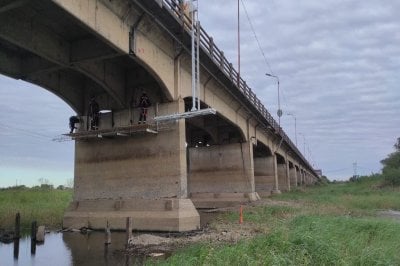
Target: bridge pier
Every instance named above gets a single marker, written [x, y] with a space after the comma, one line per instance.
[221, 175]
[264, 175]
[282, 173]
[293, 175]
[298, 176]
[142, 176]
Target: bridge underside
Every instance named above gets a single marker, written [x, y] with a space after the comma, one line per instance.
[158, 174]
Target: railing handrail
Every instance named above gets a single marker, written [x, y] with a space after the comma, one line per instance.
[217, 56]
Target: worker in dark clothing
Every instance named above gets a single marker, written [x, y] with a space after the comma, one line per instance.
[72, 121]
[94, 114]
[144, 104]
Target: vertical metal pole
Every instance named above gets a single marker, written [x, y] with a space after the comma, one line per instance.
[295, 130]
[198, 63]
[279, 106]
[193, 60]
[238, 33]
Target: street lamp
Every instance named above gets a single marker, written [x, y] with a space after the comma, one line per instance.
[304, 143]
[295, 127]
[279, 112]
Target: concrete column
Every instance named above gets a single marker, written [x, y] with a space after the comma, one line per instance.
[142, 176]
[221, 175]
[293, 176]
[276, 176]
[264, 175]
[282, 177]
[287, 174]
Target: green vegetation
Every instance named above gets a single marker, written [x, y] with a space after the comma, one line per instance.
[334, 224]
[391, 166]
[43, 204]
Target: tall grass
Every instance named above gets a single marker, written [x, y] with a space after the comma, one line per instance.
[306, 240]
[316, 226]
[46, 206]
[364, 196]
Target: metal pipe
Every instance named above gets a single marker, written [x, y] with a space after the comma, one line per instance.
[198, 64]
[193, 59]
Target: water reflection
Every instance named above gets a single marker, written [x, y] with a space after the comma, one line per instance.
[52, 252]
[90, 249]
[69, 249]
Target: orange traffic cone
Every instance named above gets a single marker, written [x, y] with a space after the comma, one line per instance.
[241, 215]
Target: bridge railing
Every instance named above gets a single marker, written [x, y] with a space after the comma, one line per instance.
[176, 9]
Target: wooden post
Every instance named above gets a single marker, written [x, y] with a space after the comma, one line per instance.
[16, 248]
[128, 231]
[107, 240]
[17, 225]
[17, 235]
[33, 237]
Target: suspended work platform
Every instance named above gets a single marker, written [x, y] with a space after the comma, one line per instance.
[185, 115]
[123, 131]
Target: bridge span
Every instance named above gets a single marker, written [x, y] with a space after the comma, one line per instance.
[159, 172]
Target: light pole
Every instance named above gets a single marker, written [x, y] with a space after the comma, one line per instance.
[304, 143]
[279, 112]
[295, 127]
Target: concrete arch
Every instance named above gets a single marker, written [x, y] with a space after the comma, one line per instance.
[222, 130]
[261, 150]
[160, 80]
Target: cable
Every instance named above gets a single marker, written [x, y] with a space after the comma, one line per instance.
[338, 170]
[261, 50]
[26, 132]
[255, 36]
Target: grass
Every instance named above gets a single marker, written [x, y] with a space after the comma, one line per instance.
[306, 241]
[334, 224]
[360, 198]
[46, 206]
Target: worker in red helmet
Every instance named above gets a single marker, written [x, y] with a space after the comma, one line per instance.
[144, 104]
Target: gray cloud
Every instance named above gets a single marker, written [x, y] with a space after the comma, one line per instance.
[338, 62]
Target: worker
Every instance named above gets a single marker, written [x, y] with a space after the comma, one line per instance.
[72, 121]
[144, 104]
[94, 114]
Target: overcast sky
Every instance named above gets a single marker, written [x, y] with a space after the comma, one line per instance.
[338, 64]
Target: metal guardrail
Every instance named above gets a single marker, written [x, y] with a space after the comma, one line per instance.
[217, 56]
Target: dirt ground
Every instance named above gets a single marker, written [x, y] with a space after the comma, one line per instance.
[162, 244]
[158, 244]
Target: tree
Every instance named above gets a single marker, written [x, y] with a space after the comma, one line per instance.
[391, 166]
[397, 145]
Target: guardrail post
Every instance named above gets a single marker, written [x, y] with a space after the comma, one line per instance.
[211, 46]
[221, 62]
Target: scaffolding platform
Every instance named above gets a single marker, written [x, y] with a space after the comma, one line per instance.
[123, 131]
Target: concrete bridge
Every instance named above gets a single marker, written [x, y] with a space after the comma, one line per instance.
[157, 173]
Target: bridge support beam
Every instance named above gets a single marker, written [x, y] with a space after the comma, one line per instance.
[264, 175]
[302, 178]
[293, 176]
[143, 177]
[221, 175]
[283, 177]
